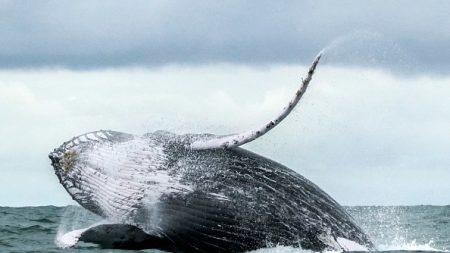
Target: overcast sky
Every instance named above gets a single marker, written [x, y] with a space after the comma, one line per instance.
[99, 34]
[374, 127]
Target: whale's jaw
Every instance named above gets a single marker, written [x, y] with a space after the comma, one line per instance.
[115, 175]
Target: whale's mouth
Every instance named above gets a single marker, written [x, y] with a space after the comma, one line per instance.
[64, 161]
[55, 158]
[64, 164]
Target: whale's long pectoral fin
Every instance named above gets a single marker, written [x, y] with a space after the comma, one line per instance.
[235, 140]
[116, 236]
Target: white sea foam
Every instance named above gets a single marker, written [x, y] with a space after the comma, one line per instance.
[407, 247]
[74, 221]
[69, 239]
[411, 246]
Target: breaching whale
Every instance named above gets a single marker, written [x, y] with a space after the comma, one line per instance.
[198, 193]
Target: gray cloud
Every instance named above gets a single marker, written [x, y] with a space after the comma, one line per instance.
[398, 35]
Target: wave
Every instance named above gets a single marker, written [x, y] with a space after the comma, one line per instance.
[35, 229]
[43, 220]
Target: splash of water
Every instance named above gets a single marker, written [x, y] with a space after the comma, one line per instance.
[369, 49]
[74, 221]
[411, 246]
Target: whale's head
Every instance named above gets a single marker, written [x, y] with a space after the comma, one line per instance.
[109, 172]
[74, 170]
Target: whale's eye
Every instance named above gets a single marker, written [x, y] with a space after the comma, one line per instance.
[68, 160]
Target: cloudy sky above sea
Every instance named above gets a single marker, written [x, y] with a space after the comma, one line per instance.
[373, 128]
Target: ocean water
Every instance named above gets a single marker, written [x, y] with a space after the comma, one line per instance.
[393, 229]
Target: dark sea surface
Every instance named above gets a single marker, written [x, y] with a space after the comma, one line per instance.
[393, 229]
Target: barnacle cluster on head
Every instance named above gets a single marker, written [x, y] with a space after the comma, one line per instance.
[68, 160]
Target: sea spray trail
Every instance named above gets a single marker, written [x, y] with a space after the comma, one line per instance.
[406, 227]
[399, 229]
[365, 48]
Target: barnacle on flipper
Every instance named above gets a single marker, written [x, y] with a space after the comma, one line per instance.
[68, 160]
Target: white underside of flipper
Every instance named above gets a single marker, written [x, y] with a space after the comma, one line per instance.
[235, 140]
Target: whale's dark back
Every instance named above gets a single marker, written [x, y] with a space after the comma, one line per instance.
[242, 201]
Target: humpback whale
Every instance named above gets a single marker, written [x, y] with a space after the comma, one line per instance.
[198, 193]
